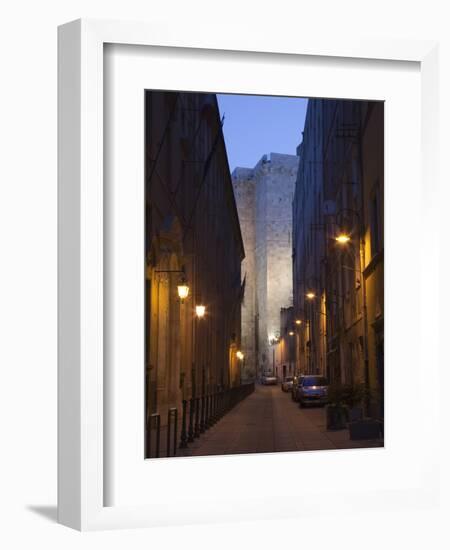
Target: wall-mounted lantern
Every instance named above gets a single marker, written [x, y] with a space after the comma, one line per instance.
[183, 289]
[200, 311]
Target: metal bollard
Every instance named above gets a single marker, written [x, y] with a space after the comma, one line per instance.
[206, 411]
[172, 413]
[148, 436]
[183, 437]
[213, 408]
[175, 432]
[197, 417]
[209, 410]
[218, 398]
[154, 421]
[202, 415]
[191, 420]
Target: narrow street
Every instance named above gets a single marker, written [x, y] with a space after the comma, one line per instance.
[261, 274]
[269, 421]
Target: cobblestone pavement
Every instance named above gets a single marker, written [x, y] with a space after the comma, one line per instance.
[268, 421]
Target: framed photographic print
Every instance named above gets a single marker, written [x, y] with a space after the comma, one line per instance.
[231, 299]
[254, 274]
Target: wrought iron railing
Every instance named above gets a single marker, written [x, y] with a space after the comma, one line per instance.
[198, 414]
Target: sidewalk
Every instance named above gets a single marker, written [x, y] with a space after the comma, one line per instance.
[269, 421]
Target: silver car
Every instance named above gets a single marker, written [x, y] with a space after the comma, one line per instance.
[313, 389]
[286, 385]
[270, 380]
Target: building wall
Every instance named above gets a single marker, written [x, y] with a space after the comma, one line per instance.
[191, 225]
[244, 184]
[339, 189]
[285, 356]
[344, 284]
[264, 200]
[310, 211]
[372, 152]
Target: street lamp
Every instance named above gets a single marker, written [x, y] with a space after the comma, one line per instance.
[273, 340]
[291, 333]
[183, 289]
[342, 238]
[310, 295]
[241, 358]
[200, 311]
[298, 322]
[195, 422]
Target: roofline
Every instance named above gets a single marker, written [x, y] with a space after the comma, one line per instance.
[230, 181]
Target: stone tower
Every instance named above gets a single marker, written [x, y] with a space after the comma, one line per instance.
[264, 200]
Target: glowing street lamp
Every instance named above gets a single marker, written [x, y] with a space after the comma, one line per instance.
[182, 286]
[273, 340]
[342, 238]
[310, 295]
[291, 333]
[298, 322]
[241, 358]
[200, 311]
[183, 290]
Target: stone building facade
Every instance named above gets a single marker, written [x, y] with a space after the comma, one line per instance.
[264, 200]
[285, 353]
[338, 286]
[192, 233]
[310, 213]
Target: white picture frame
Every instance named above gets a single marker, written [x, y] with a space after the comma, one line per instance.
[81, 480]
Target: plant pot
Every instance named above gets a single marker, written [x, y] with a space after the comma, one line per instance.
[355, 414]
[364, 429]
[336, 417]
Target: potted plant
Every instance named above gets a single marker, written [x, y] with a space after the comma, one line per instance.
[336, 410]
[353, 399]
[361, 427]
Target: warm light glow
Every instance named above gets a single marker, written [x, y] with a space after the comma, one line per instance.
[310, 295]
[291, 333]
[183, 291]
[200, 311]
[298, 322]
[342, 239]
[240, 355]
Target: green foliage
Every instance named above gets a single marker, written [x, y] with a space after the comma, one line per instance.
[349, 395]
[336, 394]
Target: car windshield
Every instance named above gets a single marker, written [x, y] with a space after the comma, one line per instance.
[314, 381]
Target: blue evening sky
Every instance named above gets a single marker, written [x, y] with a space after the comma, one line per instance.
[259, 125]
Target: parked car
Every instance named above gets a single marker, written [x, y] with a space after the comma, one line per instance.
[286, 385]
[295, 385]
[313, 389]
[270, 380]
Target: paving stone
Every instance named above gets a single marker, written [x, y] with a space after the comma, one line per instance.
[269, 421]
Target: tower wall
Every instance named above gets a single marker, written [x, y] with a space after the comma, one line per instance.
[264, 200]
